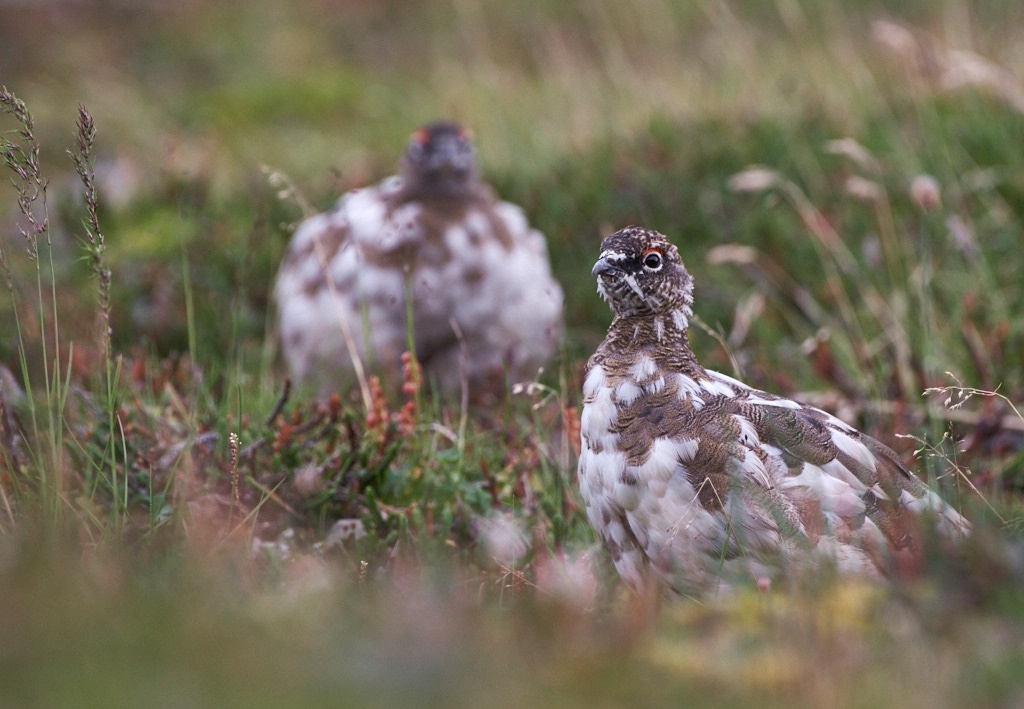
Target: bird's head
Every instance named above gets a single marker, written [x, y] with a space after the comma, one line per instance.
[640, 273]
[439, 161]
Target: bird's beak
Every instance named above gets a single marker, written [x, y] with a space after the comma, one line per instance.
[604, 266]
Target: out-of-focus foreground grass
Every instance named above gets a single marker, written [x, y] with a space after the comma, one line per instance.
[844, 179]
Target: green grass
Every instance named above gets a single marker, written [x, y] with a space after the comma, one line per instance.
[168, 531]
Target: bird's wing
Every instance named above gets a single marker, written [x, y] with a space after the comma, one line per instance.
[329, 282]
[836, 478]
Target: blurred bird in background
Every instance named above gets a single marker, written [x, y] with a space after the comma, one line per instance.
[429, 261]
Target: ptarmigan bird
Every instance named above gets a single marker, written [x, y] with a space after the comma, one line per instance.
[429, 257]
[698, 481]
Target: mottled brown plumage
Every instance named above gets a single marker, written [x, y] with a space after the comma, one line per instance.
[429, 260]
[700, 479]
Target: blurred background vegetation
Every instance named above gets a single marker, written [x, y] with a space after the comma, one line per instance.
[844, 179]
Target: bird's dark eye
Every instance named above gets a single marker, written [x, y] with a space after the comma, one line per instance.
[652, 260]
